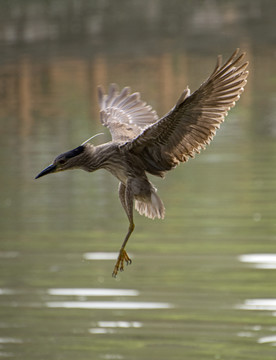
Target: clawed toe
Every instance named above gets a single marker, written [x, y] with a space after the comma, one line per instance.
[123, 257]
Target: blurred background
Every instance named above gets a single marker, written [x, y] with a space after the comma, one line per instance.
[202, 282]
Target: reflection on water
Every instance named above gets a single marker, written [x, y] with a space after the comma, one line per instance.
[259, 304]
[101, 304]
[198, 274]
[120, 324]
[93, 292]
[84, 304]
[254, 333]
[100, 256]
[107, 327]
[268, 339]
[260, 261]
[101, 331]
[123, 305]
[9, 292]
[10, 340]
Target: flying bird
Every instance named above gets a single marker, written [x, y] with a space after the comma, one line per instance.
[144, 143]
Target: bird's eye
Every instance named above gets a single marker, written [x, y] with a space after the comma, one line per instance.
[62, 162]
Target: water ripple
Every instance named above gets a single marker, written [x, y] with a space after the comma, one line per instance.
[114, 305]
[258, 304]
[260, 261]
[93, 292]
[100, 256]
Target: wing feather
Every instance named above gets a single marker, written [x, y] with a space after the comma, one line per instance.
[193, 122]
[125, 114]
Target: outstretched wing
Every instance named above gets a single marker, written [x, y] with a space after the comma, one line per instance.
[193, 122]
[125, 115]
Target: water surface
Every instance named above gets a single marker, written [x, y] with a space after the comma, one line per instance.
[202, 282]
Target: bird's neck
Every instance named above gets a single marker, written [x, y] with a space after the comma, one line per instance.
[106, 156]
[98, 157]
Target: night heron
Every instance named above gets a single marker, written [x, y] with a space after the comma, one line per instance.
[142, 143]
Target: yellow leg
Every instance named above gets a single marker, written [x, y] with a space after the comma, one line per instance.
[126, 198]
[123, 256]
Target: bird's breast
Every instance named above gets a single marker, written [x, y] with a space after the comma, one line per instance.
[119, 172]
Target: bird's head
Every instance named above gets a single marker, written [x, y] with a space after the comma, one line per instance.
[78, 158]
[73, 159]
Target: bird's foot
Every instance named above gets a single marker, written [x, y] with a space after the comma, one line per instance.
[123, 257]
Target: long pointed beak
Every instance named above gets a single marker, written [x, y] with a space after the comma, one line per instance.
[50, 169]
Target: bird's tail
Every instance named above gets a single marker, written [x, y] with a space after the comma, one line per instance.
[152, 207]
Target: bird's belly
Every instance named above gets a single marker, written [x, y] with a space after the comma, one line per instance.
[119, 173]
[122, 176]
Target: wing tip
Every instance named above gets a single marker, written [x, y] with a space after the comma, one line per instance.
[186, 93]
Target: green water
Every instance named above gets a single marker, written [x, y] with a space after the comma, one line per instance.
[190, 293]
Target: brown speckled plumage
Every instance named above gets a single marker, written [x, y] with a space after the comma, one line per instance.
[142, 143]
